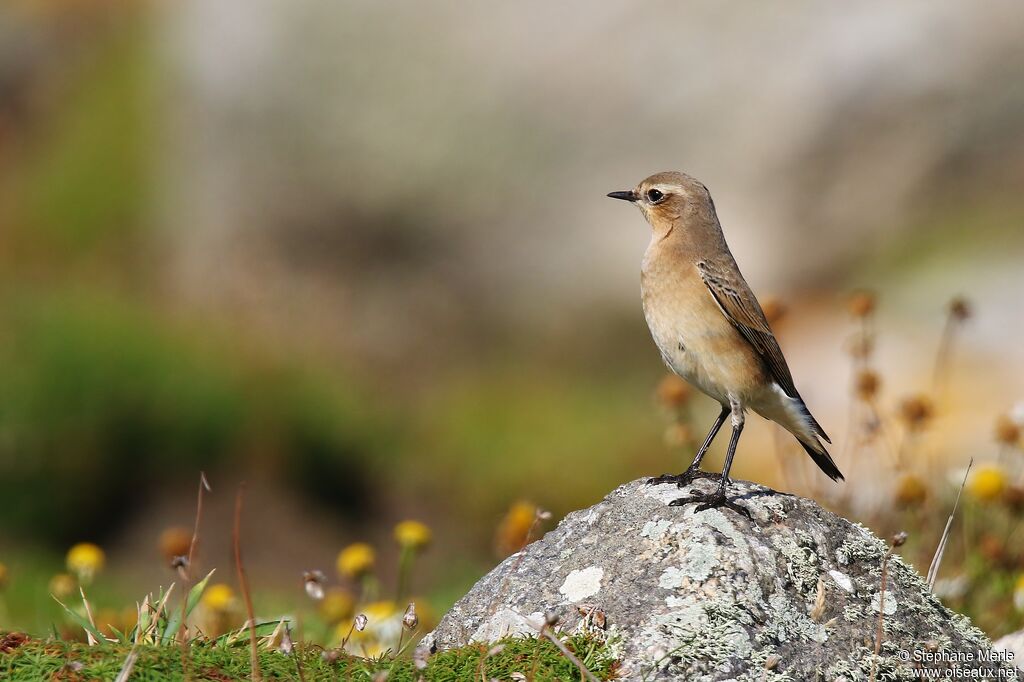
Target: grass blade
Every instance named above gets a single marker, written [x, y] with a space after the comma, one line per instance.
[82, 621]
[175, 619]
[933, 569]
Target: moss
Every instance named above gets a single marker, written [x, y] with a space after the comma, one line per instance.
[39, 660]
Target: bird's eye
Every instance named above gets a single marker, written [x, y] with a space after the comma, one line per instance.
[654, 195]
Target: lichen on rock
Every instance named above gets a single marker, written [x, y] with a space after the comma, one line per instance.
[792, 594]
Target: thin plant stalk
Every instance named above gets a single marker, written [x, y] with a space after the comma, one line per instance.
[204, 485]
[880, 632]
[933, 568]
[243, 582]
[405, 561]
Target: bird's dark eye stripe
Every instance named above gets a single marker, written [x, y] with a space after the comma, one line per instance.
[654, 196]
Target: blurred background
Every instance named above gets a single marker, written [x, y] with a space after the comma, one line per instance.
[358, 255]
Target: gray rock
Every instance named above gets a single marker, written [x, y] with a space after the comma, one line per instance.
[793, 594]
[1013, 645]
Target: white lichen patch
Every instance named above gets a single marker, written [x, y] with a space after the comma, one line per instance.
[582, 583]
[842, 580]
[507, 623]
[671, 578]
[890, 603]
[663, 492]
[656, 529]
[699, 562]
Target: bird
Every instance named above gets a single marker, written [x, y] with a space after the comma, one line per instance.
[711, 330]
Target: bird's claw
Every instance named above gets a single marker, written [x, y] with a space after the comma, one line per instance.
[684, 479]
[711, 501]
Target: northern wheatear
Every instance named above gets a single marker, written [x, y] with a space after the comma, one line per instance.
[709, 327]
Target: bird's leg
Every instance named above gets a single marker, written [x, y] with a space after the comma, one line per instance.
[718, 498]
[693, 471]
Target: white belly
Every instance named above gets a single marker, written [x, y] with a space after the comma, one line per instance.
[687, 350]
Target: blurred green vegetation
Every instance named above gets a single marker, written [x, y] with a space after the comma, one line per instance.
[102, 402]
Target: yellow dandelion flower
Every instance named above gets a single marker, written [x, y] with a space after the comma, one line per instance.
[62, 585]
[987, 482]
[412, 534]
[218, 597]
[85, 560]
[337, 605]
[514, 530]
[356, 560]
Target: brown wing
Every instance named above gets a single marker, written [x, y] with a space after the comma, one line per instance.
[741, 308]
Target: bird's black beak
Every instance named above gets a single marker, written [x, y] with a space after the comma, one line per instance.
[628, 195]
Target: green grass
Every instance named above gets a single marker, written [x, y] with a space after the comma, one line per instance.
[539, 660]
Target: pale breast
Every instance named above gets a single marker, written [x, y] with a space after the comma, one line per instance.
[694, 337]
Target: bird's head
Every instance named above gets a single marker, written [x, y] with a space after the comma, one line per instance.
[669, 197]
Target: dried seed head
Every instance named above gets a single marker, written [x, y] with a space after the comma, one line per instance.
[774, 309]
[360, 622]
[911, 491]
[866, 384]
[287, 646]
[550, 618]
[330, 655]
[916, 411]
[673, 392]
[677, 435]
[992, 548]
[772, 662]
[1014, 498]
[1007, 431]
[959, 309]
[175, 541]
[314, 581]
[861, 304]
[495, 650]
[410, 620]
[543, 514]
[899, 539]
[860, 346]
[180, 565]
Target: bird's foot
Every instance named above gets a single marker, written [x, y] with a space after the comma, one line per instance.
[682, 480]
[711, 501]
